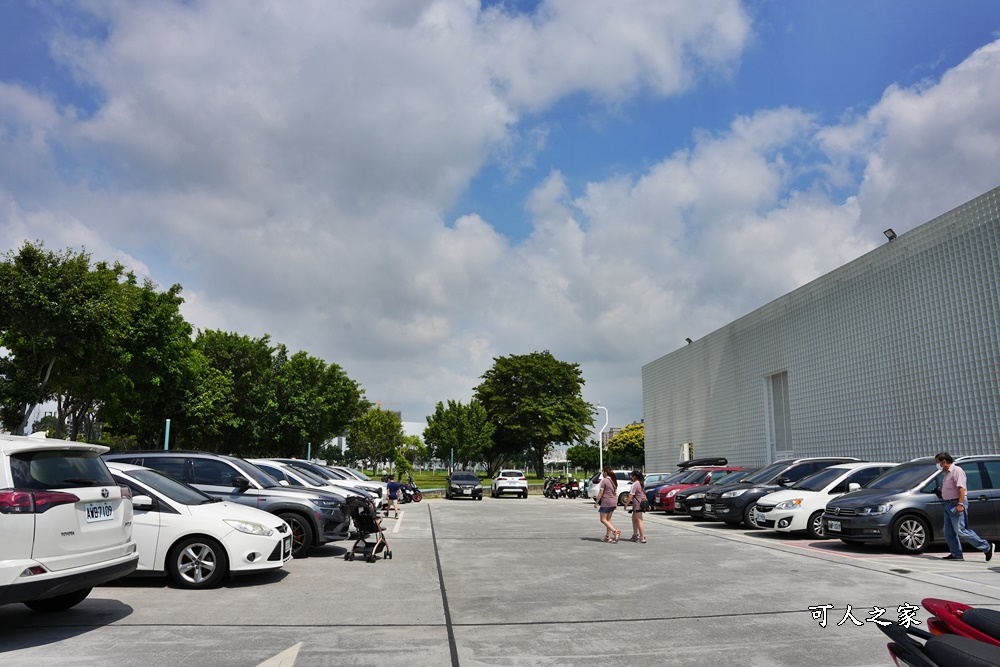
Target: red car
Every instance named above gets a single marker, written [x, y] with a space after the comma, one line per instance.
[664, 498]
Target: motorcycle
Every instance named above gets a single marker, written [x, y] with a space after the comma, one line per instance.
[573, 488]
[409, 493]
[550, 488]
[957, 635]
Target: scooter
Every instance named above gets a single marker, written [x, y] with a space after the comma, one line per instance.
[573, 488]
[957, 635]
[409, 493]
[549, 488]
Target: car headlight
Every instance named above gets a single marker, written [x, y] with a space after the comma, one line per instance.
[734, 493]
[329, 503]
[874, 510]
[249, 527]
[696, 496]
[788, 504]
[672, 493]
[479, 487]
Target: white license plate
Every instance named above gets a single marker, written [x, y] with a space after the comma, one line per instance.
[833, 526]
[467, 492]
[288, 544]
[99, 512]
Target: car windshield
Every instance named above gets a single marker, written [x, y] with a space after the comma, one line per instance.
[695, 477]
[464, 477]
[819, 480]
[177, 491]
[58, 469]
[765, 474]
[309, 476]
[254, 473]
[360, 475]
[903, 477]
[330, 473]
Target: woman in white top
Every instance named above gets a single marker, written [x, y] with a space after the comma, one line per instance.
[636, 495]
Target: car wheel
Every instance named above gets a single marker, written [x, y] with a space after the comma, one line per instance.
[750, 516]
[621, 498]
[302, 534]
[59, 602]
[197, 562]
[524, 495]
[815, 526]
[910, 535]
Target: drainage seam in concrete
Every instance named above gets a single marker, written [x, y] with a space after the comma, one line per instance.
[444, 595]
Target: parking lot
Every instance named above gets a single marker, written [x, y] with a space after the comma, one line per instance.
[511, 581]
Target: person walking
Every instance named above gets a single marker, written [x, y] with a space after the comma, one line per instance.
[607, 501]
[392, 492]
[636, 496]
[956, 511]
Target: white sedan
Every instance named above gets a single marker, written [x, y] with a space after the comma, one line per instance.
[800, 507]
[196, 539]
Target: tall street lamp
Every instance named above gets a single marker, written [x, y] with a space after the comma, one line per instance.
[600, 439]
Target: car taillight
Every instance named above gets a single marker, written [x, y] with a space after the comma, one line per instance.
[126, 491]
[501, 479]
[33, 502]
[522, 479]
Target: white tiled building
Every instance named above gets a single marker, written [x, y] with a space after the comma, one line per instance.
[892, 356]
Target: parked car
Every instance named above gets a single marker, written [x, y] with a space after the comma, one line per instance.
[315, 517]
[378, 489]
[738, 504]
[300, 477]
[357, 474]
[194, 538]
[664, 498]
[652, 488]
[509, 481]
[65, 523]
[902, 507]
[800, 507]
[624, 485]
[691, 501]
[462, 484]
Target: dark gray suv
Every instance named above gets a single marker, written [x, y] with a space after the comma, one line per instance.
[315, 517]
[903, 508]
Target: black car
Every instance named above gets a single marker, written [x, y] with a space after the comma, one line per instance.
[691, 501]
[315, 517]
[737, 504]
[463, 484]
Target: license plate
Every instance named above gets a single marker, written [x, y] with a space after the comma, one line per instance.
[833, 526]
[467, 492]
[99, 512]
[288, 544]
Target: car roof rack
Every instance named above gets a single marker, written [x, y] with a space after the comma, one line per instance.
[718, 461]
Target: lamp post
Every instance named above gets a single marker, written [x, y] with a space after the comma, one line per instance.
[600, 440]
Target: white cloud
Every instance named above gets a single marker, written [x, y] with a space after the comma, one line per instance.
[291, 169]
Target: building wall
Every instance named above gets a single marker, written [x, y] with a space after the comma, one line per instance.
[892, 356]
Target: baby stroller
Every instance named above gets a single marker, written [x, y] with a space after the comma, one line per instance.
[365, 518]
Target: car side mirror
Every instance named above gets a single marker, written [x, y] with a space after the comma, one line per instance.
[282, 482]
[241, 483]
[853, 486]
[144, 503]
[783, 481]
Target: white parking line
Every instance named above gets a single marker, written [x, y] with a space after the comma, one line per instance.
[395, 528]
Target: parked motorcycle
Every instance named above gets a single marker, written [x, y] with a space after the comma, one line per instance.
[550, 488]
[957, 635]
[573, 488]
[409, 493]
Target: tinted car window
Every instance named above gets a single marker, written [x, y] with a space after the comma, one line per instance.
[251, 471]
[819, 480]
[903, 477]
[168, 465]
[623, 477]
[993, 471]
[974, 478]
[171, 488]
[696, 477]
[215, 473]
[766, 474]
[799, 471]
[58, 470]
[864, 476]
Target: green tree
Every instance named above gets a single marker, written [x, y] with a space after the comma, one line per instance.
[462, 429]
[535, 402]
[414, 450]
[376, 436]
[627, 447]
[65, 326]
[586, 456]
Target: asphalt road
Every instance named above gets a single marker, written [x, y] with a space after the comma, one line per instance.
[510, 581]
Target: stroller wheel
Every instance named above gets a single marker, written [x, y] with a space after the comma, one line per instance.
[388, 554]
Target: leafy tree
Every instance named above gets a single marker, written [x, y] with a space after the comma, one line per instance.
[627, 447]
[375, 436]
[535, 401]
[414, 449]
[48, 423]
[586, 456]
[462, 429]
[65, 326]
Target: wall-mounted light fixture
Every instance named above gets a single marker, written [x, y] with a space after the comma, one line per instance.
[688, 340]
[889, 234]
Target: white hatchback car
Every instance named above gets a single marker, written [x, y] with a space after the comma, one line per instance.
[800, 507]
[509, 481]
[65, 523]
[196, 539]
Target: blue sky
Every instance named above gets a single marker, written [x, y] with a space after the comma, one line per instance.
[410, 188]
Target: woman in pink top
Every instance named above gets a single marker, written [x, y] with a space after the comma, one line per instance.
[607, 501]
[636, 495]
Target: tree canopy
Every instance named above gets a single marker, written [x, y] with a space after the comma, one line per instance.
[627, 447]
[462, 429]
[534, 401]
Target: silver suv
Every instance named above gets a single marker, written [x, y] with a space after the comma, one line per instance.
[315, 517]
[66, 524]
